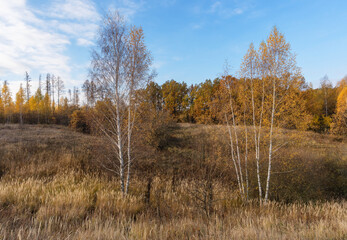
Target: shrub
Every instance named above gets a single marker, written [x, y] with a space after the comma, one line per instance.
[79, 121]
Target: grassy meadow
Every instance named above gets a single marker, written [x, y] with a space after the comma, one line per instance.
[52, 186]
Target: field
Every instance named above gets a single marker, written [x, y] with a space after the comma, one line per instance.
[52, 187]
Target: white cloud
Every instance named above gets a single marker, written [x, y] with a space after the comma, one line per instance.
[73, 10]
[223, 10]
[24, 45]
[77, 18]
[128, 8]
[157, 64]
[167, 3]
[238, 11]
[35, 40]
[84, 42]
[177, 59]
[215, 6]
[197, 26]
[83, 32]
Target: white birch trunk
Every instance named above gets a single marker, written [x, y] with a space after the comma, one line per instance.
[233, 155]
[129, 145]
[120, 148]
[129, 156]
[256, 138]
[237, 147]
[258, 144]
[270, 145]
[246, 155]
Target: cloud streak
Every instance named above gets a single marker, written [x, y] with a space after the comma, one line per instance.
[128, 8]
[221, 9]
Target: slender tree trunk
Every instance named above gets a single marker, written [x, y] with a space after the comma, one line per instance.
[256, 140]
[270, 145]
[232, 155]
[129, 145]
[239, 160]
[258, 143]
[58, 98]
[120, 145]
[129, 163]
[237, 146]
[246, 153]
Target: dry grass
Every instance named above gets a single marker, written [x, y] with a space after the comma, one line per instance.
[49, 190]
[76, 207]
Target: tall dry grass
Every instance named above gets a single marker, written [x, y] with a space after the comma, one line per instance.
[72, 206]
[50, 189]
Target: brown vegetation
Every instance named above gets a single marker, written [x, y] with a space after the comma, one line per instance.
[52, 188]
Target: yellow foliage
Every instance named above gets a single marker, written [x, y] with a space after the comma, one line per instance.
[340, 119]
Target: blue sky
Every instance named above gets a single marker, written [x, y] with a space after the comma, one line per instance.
[189, 40]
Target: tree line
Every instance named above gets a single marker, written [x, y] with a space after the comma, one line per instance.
[203, 103]
[47, 105]
[322, 109]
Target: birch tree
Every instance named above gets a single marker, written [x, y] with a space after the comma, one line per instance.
[120, 64]
[229, 82]
[249, 71]
[280, 73]
[271, 79]
[138, 62]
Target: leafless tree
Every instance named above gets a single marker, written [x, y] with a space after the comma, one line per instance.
[60, 88]
[325, 85]
[89, 89]
[233, 135]
[70, 96]
[75, 97]
[20, 100]
[40, 83]
[27, 86]
[53, 86]
[48, 84]
[120, 64]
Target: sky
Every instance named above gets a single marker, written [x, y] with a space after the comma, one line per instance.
[190, 41]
